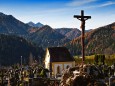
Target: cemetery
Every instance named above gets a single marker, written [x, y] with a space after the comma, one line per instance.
[60, 69]
[80, 75]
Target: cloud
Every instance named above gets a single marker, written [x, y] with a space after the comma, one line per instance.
[79, 2]
[107, 4]
[83, 3]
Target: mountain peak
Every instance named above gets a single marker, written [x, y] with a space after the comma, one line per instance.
[31, 24]
[35, 25]
[46, 27]
[11, 25]
[38, 24]
[2, 14]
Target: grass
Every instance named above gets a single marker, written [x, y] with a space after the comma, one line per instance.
[109, 59]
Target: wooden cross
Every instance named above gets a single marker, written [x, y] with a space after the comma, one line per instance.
[82, 18]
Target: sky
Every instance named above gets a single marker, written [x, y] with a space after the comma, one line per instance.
[59, 13]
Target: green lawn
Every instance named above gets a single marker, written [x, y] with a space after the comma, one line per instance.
[109, 59]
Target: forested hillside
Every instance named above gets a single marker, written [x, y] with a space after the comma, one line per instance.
[100, 41]
[12, 48]
[48, 37]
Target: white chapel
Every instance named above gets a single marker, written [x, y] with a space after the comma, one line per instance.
[58, 59]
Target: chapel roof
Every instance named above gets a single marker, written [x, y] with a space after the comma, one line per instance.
[60, 54]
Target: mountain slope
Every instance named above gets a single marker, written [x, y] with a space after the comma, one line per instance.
[73, 34]
[63, 31]
[100, 41]
[10, 25]
[12, 48]
[70, 33]
[46, 36]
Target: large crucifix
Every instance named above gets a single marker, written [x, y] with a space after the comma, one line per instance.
[82, 18]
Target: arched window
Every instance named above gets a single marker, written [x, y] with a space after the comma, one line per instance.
[58, 69]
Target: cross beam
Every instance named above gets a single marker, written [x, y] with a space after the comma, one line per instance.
[82, 18]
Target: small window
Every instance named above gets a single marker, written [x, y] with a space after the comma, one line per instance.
[58, 69]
